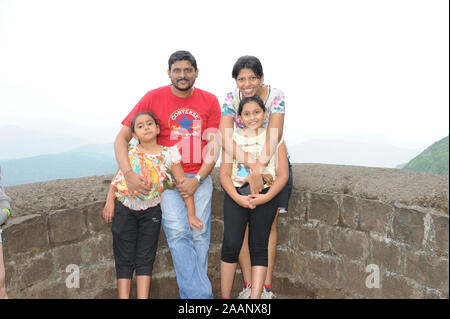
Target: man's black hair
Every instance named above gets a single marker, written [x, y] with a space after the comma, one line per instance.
[182, 56]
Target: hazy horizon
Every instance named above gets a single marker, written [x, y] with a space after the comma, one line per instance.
[372, 72]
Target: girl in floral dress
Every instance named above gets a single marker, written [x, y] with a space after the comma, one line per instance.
[136, 221]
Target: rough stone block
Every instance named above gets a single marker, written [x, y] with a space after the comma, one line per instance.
[324, 231]
[36, 270]
[95, 221]
[283, 237]
[375, 216]
[46, 291]
[93, 277]
[441, 234]
[325, 268]
[303, 237]
[216, 231]
[408, 226]
[323, 208]
[434, 294]
[217, 204]
[68, 254]
[386, 255]
[297, 205]
[398, 287]
[163, 265]
[352, 278]
[163, 288]
[25, 234]
[429, 270]
[289, 263]
[162, 241]
[96, 250]
[109, 293]
[350, 211]
[351, 243]
[67, 225]
[330, 293]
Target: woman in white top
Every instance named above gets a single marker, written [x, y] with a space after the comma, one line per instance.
[249, 77]
[253, 211]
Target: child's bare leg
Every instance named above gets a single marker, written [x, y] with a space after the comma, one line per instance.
[123, 288]
[244, 260]
[272, 249]
[143, 286]
[227, 272]
[258, 276]
[3, 294]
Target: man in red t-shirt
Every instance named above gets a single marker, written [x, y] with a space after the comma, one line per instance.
[189, 118]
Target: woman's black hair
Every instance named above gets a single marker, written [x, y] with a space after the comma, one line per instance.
[254, 98]
[133, 121]
[247, 62]
[182, 56]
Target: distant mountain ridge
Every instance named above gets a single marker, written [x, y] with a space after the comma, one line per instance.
[56, 166]
[433, 159]
[99, 159]
[17, 142]
[350, 153]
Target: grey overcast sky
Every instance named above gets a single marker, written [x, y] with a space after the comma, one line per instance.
[349, 68]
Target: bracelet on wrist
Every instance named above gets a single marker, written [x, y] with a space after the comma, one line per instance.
[125, 173]
[7, 211]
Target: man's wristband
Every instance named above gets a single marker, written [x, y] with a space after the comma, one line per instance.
[7, 212]
[199, 179]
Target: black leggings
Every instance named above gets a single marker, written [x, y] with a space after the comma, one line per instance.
[260, 222]
[135, 239]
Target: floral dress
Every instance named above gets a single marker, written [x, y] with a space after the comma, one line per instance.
[156, 168]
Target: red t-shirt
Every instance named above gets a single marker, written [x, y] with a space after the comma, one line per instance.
[182, 121]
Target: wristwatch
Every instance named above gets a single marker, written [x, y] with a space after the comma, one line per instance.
[199, 178]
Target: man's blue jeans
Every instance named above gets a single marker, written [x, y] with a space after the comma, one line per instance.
[189, 248]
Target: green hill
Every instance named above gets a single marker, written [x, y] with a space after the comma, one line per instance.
[432, 160]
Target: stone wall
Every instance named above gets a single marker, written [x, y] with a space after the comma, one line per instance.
[341, 220]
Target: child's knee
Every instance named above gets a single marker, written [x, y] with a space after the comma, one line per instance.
[258, 254]
[230, 250]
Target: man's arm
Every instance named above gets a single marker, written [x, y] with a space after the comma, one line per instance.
[187, 186]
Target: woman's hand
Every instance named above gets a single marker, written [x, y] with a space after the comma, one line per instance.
[244, 201]
[136, 184]
[258, 199]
